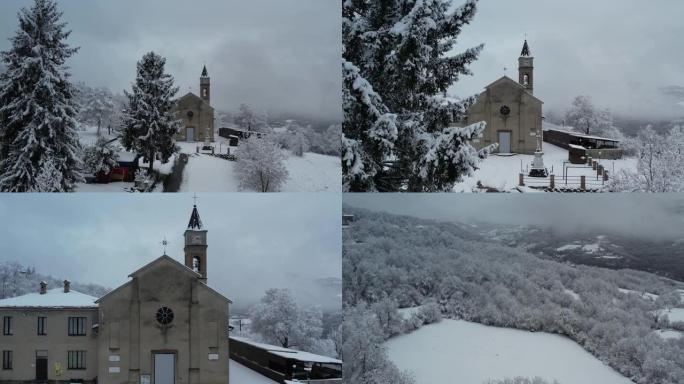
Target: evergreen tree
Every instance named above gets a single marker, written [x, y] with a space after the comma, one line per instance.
[396, 70]
[149, 125]
[38, 138]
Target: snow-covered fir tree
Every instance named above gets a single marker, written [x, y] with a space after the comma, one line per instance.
[102, 156]
[260, 165]
[149, 124]
[39, 147]
[397, 67]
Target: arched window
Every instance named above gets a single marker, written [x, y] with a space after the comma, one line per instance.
[204, 92]
[526, 79]
[196, 264]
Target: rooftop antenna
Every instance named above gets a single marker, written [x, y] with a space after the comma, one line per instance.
[194, 198]
[505, 69]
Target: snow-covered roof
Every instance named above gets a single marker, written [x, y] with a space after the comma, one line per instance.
[576, 146]
[126, 156]
[578, 134]
[53, 298]
[289, 353]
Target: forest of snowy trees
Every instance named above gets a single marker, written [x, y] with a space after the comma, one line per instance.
[278, 319]
[17, 280]
[391, 262]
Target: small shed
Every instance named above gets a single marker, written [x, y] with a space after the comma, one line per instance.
[577, 154]
[127, 165]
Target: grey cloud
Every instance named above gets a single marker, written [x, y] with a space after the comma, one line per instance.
[282, 56]
[620, 52]
[256, 242]
[636, 215]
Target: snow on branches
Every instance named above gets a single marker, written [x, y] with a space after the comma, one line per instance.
[102, 156]
[39, 147]
[260, 165]
[399, 129]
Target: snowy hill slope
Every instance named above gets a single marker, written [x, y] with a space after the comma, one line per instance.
[660, 256]
[474, 278]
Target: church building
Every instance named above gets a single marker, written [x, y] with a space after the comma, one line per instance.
[164, 326]
[512, 113]
[196, 113]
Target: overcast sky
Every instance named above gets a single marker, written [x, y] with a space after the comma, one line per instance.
[658, 216]
[255, 241]
[618, 51]
[279, 55]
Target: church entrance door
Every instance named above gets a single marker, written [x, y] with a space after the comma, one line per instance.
[504, 142]
[164, 368]
[190, 134]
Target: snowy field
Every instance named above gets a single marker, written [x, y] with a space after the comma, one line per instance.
[310, 173]
[455, 351]
[238, 373]
[501, 171]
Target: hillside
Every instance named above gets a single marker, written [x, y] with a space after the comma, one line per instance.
[392, 262]
[17, 280]
[664, 257]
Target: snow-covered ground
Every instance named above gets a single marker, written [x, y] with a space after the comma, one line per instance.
[501, 171]
[310, 173]
[675, 314]
[455, 351]
[645, 295]
[238, 373]
[669, 334]
[406, 313]
[205, 173]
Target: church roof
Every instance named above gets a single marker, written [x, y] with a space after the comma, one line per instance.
[195, 221]
[170, 261]
[192, 95]
[204, 72]
[507, 79]
[53, 298]
[525, 50]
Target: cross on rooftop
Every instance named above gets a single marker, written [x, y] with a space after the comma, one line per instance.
[164, 243]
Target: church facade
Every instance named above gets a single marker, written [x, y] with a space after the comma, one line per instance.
[512, 113]
[196, 113]
[164, 326]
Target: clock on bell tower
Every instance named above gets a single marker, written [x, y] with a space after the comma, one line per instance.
[196, 245]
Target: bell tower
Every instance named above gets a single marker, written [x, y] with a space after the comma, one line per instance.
[526, 68]
[205, 86]
[196, 245]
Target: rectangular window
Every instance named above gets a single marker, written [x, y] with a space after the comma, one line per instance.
[6, 359]
[7, 325]
[77, 326]
[42, 322]
[76, 359]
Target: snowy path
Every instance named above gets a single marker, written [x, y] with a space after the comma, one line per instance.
[313, 173]
[454, 351]
[205, 173]
[501, 172]
[310, 173]
[240, 374]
